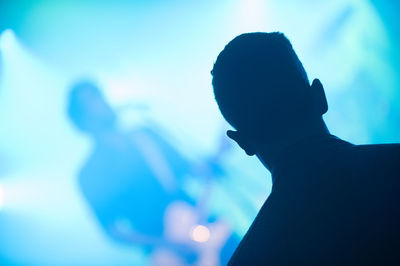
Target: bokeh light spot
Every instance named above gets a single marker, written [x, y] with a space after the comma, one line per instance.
[200, 233]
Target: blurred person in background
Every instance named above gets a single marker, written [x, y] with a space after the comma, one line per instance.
[132, 182]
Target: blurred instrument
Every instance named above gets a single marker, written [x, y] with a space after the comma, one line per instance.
[189, 238]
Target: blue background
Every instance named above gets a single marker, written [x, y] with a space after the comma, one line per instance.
[153, 60]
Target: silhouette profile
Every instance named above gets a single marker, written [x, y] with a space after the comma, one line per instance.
[332, 202]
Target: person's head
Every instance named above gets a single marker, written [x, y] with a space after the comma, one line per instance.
[263, 91]
[88, 110]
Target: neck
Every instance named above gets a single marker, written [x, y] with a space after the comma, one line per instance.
[269, 152]
[104, 136]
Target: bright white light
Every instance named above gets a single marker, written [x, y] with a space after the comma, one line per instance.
[1, 196]
[7, 39]
[200, 233]
[252, 15]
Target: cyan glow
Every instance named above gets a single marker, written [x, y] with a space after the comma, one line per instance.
[7, 40]
[1, 196]
[152, 60]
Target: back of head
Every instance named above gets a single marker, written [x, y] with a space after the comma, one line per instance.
[260, 84]
[88, 109]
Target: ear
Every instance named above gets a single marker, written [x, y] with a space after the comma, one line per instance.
[319, 96]
[242, 141]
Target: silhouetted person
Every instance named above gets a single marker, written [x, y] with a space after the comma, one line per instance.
[332, 202]
[132, 183]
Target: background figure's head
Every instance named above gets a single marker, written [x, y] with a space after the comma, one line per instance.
[88, 109]
[263, 90]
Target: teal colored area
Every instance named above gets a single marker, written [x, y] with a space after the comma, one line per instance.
[152, 61]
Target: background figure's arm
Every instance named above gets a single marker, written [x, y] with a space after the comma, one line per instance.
[123, 231]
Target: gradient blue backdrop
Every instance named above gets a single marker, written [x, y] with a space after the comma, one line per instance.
[156, 56]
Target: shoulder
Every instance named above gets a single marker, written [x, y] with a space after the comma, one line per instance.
[90, 172]
[375, 168]
[379, 153]
[389, 147]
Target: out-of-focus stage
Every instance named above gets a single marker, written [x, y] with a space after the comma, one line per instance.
[112, 149]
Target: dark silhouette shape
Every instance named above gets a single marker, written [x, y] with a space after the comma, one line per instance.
[332, 202]
[132, 183]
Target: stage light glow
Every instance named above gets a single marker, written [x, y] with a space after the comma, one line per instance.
[200, 233]
[1, 196]
[252, 15]
[7, 39]
[150, 74]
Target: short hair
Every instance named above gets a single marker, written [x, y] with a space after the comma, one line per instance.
[77, 106]
[259, 82]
